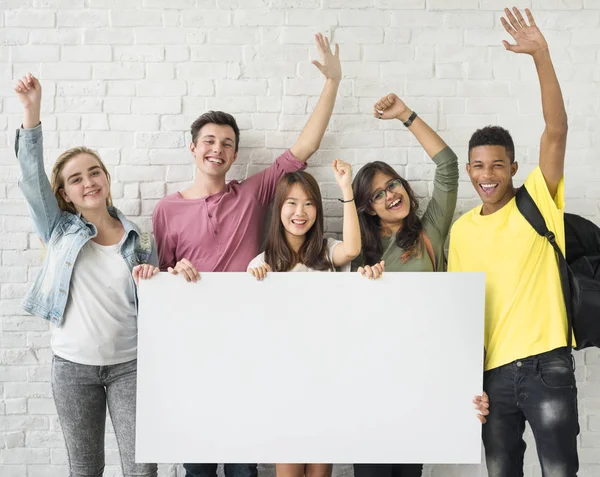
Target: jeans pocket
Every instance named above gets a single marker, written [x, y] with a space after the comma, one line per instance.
[558, 374]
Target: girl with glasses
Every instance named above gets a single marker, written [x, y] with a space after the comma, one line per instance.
[392, 233]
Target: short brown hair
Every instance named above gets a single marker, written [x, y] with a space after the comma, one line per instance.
[216, 117]
[57, 182]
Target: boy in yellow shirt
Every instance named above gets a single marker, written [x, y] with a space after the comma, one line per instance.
[528, 369]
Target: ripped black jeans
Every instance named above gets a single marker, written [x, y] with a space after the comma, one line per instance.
[539, 389]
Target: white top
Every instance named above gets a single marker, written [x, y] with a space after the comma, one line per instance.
[300, 267]
[100, 323]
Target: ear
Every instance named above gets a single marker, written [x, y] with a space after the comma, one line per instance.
[514, 167]
[234, 157]
[370, 211]
[64, 195]
[192, 147]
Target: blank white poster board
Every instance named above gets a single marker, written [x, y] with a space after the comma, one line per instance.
[310, 367]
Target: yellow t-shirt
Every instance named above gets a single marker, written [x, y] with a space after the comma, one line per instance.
[524, 307]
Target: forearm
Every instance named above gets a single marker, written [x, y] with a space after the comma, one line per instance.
[553, 105]
[312, 134]
[31, 116]
[351, 242]
[430, 141]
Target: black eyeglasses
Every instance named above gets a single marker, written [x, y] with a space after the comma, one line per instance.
[393, 186]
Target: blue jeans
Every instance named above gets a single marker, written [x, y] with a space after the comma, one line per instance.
[540, 389]
[210, 470]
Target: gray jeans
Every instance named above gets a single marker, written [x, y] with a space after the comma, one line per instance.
[81, 394]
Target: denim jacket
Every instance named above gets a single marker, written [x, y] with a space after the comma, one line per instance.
[63, 233]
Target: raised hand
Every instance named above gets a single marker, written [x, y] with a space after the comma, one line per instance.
[528, 38]
[391, 107]
[343, 173]
[144, 272]
[260, 272]
[29, 91]
[331, 66]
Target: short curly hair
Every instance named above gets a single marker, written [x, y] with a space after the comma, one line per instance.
[493, 136]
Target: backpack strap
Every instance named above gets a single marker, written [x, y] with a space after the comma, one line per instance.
[532, 214]
[429, 248]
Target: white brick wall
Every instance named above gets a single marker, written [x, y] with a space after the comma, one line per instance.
[128, 77]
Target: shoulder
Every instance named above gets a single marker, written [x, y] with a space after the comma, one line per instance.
[331, 242]
[166, 203]
[538, 189]
[465, 220]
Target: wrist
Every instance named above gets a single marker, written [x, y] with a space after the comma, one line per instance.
[541, 54]
[347, 192]
[404, 115]
[335, 81]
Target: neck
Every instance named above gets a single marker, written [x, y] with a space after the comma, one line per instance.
[103, 221]
[99, 217]
[389, 229]
[204, 185]
[488, 209]
[295, 242]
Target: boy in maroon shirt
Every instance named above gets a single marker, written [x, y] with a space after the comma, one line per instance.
[216, 226]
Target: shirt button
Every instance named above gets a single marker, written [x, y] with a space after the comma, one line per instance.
[216, 232]
[210, 216]
[519, 364]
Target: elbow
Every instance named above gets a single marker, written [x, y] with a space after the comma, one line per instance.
[352, 253]
[558, 128]
[307, 148]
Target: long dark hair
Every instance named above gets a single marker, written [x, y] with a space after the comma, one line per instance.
[408, 237]
[313, 253]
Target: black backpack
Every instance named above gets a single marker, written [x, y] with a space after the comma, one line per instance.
[579, 272]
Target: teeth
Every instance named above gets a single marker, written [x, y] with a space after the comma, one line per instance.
[395, 203]
[299, 222]
[215, 161]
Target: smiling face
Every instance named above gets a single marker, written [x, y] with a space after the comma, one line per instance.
[389, 200]
[491, 171]
[214, 150]
[298, 213]
[85, 184]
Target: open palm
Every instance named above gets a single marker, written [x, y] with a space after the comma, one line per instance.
[331, 66]
[528, 38]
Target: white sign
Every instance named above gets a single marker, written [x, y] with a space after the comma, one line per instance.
[310, 367]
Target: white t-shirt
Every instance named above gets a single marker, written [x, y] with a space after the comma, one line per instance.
[100, 323]
[300, 267]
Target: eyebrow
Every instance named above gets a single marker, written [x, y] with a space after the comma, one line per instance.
[211, 136]
[296, 198]
[79, 173]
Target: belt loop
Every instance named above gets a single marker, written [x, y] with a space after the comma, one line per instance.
[572, 361]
